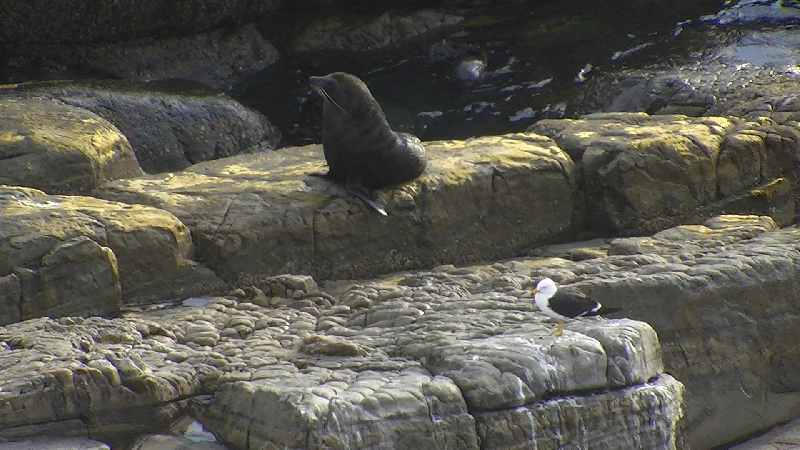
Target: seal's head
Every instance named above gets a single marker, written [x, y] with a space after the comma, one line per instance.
[347, 93]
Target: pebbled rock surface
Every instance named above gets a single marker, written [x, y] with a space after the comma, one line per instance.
[643, 173]
[60, 148]
[169, 125]
[363, 372]
[464, 208]
[71, 255]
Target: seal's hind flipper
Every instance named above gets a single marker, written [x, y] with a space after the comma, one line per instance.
[354, 187]
[368, 198]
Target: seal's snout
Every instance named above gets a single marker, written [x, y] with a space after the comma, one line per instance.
[324, 83]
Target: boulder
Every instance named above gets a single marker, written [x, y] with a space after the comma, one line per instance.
[262, 214]
[60, 148]
[77, 277]
[643, 173]
[35, 23]
[169, 125]
[71, 255]
[217, 59]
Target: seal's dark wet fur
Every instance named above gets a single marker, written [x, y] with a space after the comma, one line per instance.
[360, 147]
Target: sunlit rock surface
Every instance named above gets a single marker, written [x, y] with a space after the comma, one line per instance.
[59, 148]
[73, 255]
[262, 214]
[448, 357]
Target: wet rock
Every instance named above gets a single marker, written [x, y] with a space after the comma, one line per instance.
[60, 148]
[588, 420]
[704, 89]
[465, 207]
[643, 173]
[44, 239]
[218, 59]
[338, 32]
[169, 125]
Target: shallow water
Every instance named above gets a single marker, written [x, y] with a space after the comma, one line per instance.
[535, 59]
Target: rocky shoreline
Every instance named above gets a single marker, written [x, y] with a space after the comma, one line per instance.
[172, 279]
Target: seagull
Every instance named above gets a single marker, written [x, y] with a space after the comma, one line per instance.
[563, 304]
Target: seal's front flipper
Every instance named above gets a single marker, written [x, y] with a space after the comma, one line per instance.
[354, 187]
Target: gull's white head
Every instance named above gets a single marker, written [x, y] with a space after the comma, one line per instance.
[545, 289]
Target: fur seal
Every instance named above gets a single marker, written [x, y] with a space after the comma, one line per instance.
[359, 145]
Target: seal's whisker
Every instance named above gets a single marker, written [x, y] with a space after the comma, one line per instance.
[329, 98]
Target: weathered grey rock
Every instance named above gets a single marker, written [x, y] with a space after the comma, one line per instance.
[583, 422]
[262, 215]
[169, 125]
[60, 148]
[645, 173]
[218, 59]
[70, 255]
[782, 437]
[338, 32]
[465, 343]
[10, 297]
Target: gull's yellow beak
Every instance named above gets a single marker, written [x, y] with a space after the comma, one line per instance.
[534, 291]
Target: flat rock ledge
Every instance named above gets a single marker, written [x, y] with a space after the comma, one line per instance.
[260, 214]
[480, 199]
